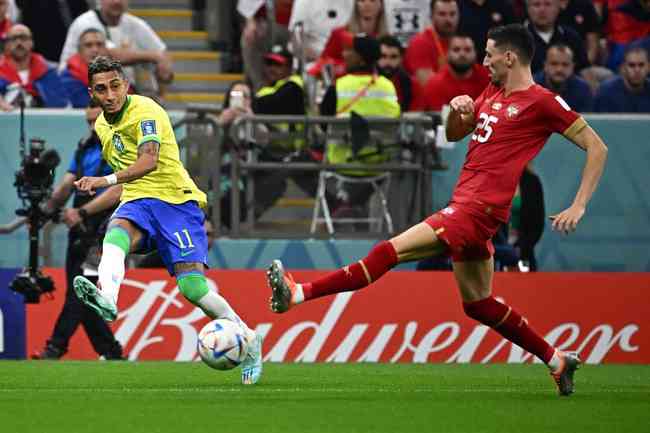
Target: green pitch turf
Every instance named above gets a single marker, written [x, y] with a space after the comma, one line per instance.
[131, 397]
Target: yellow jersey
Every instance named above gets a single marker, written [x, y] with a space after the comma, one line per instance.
[142, 120]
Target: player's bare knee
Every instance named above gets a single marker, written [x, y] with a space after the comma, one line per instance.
[134, 233]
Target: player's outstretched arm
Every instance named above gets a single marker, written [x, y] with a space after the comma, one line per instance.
[146, 163]
[461, 119]
[587, 139]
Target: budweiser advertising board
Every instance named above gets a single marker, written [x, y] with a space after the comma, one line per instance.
[404, 317]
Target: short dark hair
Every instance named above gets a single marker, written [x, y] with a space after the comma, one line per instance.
[462, 35]
[391, 41]
[561, 46]
[91, 30]
[515, 37]
[104, 64]
[433, 3]
[634, 48]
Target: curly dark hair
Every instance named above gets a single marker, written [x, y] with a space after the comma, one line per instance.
[104, 64]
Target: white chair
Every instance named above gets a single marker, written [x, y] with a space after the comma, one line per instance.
[378, 212]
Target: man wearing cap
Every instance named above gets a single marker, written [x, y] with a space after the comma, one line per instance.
[366, 93]
[282, 95]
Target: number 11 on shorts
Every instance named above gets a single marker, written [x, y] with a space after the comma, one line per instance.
[181, 244]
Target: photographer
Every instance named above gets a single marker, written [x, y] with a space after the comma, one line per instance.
[84, 219]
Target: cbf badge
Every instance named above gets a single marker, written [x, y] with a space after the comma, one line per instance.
[117, 143]
[148, 127]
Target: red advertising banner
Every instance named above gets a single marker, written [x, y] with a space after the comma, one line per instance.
[404, 317]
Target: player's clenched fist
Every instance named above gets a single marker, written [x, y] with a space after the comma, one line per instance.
[463, 104]
[89, 184]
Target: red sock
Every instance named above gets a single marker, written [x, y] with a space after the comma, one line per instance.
[381, 258]
[510, 324]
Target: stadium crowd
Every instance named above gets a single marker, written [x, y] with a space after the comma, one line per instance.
[593, 53]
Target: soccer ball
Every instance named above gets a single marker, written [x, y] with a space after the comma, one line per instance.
[222, 344]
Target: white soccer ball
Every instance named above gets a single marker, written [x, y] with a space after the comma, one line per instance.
[222, 344]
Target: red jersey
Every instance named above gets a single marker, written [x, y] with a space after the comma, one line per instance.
[444, 86]
[426, 50]
[510, 132]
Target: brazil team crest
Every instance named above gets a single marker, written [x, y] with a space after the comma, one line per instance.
[148, 127]
[117, 143]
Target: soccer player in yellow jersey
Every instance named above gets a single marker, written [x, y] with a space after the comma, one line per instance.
[160, 206]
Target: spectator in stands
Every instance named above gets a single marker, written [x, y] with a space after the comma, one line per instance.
[406, 18]
[628, 21]
[629, 93]
[260, 32]
[368, 17]
[360, 92]
[83, 219]
[49, 21]
[318, 20]
[460, 76]
[546, 31]
[427, 51]
[479, 16]
[5, 21]
[26, 75]
[282, 95]
[581, 16]
[237, 102]
[558, 76]
[390, 66]
[129, 39]
[92, 43]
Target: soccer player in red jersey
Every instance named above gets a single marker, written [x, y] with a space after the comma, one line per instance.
[510, 122]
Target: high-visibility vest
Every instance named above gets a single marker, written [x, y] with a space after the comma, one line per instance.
[297, 143]
[368, 96]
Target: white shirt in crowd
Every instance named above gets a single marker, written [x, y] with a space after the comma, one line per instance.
[248, 8]
[319, 19]
[131, 32]
[405, 18]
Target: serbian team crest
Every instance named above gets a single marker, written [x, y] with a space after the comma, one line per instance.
[148, 127]
[117, 143]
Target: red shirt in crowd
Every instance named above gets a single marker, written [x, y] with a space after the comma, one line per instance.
[282, 12]
[625, 23]
[444, 86]
[426, 50]
[5, 25]
[510, 131]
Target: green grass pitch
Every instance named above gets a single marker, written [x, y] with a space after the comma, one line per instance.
[132, 397]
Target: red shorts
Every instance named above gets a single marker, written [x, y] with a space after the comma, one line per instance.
[467, 229]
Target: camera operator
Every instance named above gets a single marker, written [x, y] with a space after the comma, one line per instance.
[84, 219]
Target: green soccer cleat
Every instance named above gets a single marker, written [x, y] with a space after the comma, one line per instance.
[251, 367]
[563, 376]
[282, 287]
[90, 295]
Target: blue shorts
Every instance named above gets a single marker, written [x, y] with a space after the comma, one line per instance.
[175, 230]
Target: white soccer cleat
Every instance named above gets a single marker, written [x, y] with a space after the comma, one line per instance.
[251, 367]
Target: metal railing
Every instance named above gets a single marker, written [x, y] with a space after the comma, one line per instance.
[408, 134]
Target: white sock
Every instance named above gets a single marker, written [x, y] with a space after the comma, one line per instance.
[298, 296]
[555, 361]
[216, 307]
[111, 271]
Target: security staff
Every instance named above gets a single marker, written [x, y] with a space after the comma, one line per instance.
[365, 93]
[283, 95]
[84, 219]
